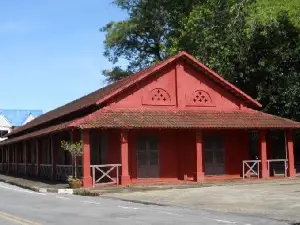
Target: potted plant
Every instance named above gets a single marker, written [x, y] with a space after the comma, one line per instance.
[76, 150]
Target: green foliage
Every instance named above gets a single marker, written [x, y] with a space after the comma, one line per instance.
[253, 43]
[74, 182]
[267, 10]
[116, 73]
[85, 192]
[214, 34]
[143, 38]
[75, 149]
[269, 68]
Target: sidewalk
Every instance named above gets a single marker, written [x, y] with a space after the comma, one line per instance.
[32, 184]
[54, 187]
[137, 187]
[273, 198]
[276, 199]
[118, 190]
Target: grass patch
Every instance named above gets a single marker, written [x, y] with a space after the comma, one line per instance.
[85, 193]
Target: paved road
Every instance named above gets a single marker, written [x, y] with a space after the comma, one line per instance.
[23, 207]
[276, 199]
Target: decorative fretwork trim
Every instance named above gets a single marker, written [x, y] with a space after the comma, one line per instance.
[157, 96]
[199, 98]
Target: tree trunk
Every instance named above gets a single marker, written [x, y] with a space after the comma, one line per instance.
[75, 164]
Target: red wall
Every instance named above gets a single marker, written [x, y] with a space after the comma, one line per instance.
[236, 150]
[168, 152]
[180, 81]
[178, 150]
[114, 146]
[187, 153]
[138, 95]
[190, 80]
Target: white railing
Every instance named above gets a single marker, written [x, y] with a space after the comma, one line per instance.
[63, 172]
[22, 169]
[277, 163]
[101, 174]
[45, 171]
[251, 167]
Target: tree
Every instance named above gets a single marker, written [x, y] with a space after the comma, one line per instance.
[144, 37]
[267, 10]
[236, 38]
[269, 69]
[116, 73]
[214, 33]
[75, 149]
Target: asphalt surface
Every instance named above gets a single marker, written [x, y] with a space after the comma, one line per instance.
[23, 207]
[277, 199]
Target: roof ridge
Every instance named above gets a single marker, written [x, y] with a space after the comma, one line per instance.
[103, 94]
[117, 84]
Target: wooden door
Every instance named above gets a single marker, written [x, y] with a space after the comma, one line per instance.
[214, 155]
[147, 157]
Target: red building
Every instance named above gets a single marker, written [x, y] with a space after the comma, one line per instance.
[177, 120]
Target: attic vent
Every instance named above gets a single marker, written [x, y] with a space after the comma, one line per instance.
[199, 98]
[157, 96]
[160, 95]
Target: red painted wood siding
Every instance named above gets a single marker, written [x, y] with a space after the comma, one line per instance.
[180, 83]
[177, 151]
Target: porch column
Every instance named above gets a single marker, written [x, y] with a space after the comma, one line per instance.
[53, 158]
[72, 160]
[2, 157]
[86, 159]
[16, 158]
[25, 157]
[199, 174]
[38, 157]
[290, 154]
[264, 172]
[12, 158]
[125, 178]
[8, 158]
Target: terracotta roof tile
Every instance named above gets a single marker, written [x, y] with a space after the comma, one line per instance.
[48, 130]
[102, 94]
[124, 118]
[175, 119]
[88, 100]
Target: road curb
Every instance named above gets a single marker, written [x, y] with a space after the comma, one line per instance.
[65, 191]
[37, 189]
[137, 201]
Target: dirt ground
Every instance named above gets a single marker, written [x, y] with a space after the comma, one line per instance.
[277, 199]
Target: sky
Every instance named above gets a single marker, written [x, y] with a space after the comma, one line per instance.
[51, 52]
